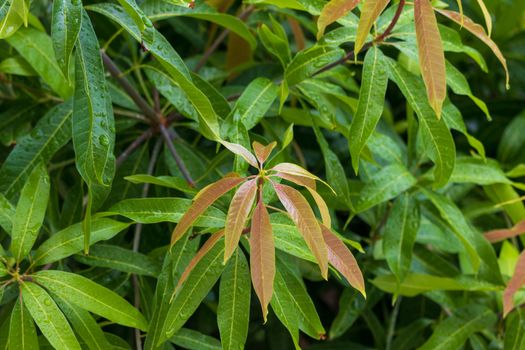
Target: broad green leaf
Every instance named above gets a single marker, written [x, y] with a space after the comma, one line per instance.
[22, 332]
[369, 13]
[331, 12]
[400, 234]
[36, 48]
[233, 312]
[10, 19]
[386, 184]
[48, 317]
[262, 256]
[17, 66]
[435, 136]
[194, 340]
[84, 325]
[70, 240]
[274, 43]
[238, 212]
[415, 284]
[189, 296]
[307, 62]
[7, 213]
[91, 296]
[120, 259]
[155, 210]
[49, 135]
[515, 331]
[477, 171]
[453, 332]
[371, 102]
[288, 238]
[135, 12]
[30, 212]
[65, 26]
[431, 54]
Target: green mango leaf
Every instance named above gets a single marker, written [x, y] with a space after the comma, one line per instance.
[10, 19]
[22, 332]
[477, 171]
[371, 103]
[307, 62]
[70, 240]
[165, 181]
[275, 43]
[91, 296]
[400, 234]
[351, 306]
[49, 135]
[17, 66]
[193, 340]
[515, 331]
[65, 27]
[48, 317]
[7, 213]
[120, 259]
[287, 237]
[233, 312]
[30, 212]
[454, 331]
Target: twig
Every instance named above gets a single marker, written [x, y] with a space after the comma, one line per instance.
[134, 145]
[211, 49]
[392, 324]
[180, 163]
[350, 55]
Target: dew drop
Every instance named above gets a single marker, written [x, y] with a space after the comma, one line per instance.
[103, 139]
[47, 302]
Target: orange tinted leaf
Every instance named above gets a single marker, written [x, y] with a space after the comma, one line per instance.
[369, 13]
[206, 247]
[294, 169]
[206, 197]
[263, 152]
[298, 33]
[332, 11]
[515, 283]
[237, 215]
[479, 32]
[502, 234]
[343, 260]
[431, 54]
[486, 16]
[262, 256]
[303, 217]
[299, 180]
[242, 152]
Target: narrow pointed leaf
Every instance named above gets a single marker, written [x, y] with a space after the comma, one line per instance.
[91, 296]
[502, 234]
[370, 105]
[369, 13]
[263, 152]
[30, 212]
[194, 340]
[431, 54]
[233, 312]
[262, 256]
[486, 16]
[307, 62]
[240, 208]
[516, 282]
[332, 11]
[48, 317]
[206, 197]
[283, 305]
[65, 26]
[22, 332]
[242, 152]
[303, 216]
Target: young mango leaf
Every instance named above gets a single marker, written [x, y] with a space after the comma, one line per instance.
[369, 13]
[233, 311]
[48, 317]
[486, 16]
[263, 152]
[371, 103]
[479, 32]
[91, 296]
[303, 216]
[400, 234]
[242, 152]
[205, 198]
[495, 236]
[262, 256]
[516, 282]
[30, 212]
[22, 332]
[240, 207]
[431, 54]
[65, 26]
[331, 12]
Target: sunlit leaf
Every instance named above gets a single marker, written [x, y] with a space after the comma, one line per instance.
[369, 13]
[332, 11]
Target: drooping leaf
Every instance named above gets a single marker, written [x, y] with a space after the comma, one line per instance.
[369, 13]
[262, 256]
[65, 26]
[91, 296]
[515, 283]
[331, 12]
[30, 212]
[22, 332]
[431, 54]
[486, 16]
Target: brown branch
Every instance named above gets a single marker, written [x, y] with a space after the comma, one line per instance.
[180, 163]
[134, 145]
[380, 38]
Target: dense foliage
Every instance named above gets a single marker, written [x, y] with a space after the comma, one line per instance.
[262, 174]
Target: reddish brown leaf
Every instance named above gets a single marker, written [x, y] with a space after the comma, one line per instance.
[303, 216]
[479, 32]
[431, 54]
[242, 152]
[332, 11]
[237, 215]
[369, 13]
[262, 256]
[202, 201]
[515, 283]
[263, 152]
[343, 260]
[298, 33]
[294, 169]
[502, 234]
[206, 247]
